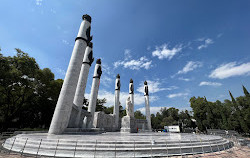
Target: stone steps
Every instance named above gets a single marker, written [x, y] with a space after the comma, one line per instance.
[74, 148]
[115, 143]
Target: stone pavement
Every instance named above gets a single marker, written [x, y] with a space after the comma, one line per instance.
[242, 152]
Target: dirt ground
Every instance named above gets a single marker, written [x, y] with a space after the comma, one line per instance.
[242, 152]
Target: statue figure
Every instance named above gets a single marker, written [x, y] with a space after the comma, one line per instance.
[99, 69]
[145, 88]
[129, 109]
[118, 84]
[131, 87]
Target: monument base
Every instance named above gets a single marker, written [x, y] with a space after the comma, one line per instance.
[114, 144]
[84, 131]
[128, 125]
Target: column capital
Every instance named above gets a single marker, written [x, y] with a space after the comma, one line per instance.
[87, 18]
[98, 69]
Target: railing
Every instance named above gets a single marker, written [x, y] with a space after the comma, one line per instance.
[98, 145]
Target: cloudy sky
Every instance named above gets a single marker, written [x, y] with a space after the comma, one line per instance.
[182, 48]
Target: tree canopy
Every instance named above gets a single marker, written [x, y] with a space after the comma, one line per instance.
[172, 116]
[232, 114]
[28, 93]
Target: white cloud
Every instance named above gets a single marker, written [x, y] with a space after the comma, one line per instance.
[171, 88]
[53, 11]
[204, 83]
[153, 110]
[165, 52]
[65, 42]
[133, 64]
[188, 108]
[104, 94]
[127, 54]
[206, 43]
[60, 71]
[154, 86]
[138, 98]
[230, 69]
[106, 69]
[190, 66]
[39, 2]
[184, 79]
[106, 81]
[219, 35]
[177, 95]
[200, 39]
[28, 78]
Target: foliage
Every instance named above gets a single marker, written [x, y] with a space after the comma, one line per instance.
[100, 104]
[108, 110]
[28, 93]
[229, 115]
[139, 115]
[122, 112]
[171, 116]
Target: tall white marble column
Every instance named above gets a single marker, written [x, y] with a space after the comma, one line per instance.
[117, 100]
[131, 94]
[82, 81]
[147, 107]
[64, 104]
[94, 93]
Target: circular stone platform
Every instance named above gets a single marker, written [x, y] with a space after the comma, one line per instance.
[115, 144]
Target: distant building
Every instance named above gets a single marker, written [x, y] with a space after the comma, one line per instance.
[175, 129]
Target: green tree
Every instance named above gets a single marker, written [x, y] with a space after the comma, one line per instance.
[100, 104]
[17, 87]
[168, 121]
[109, 110]
[122, 112]
[28, 94]
[156, 121]
[200, 114]
[229, 115]
[185, 119]
[245, 91]
[139, 115]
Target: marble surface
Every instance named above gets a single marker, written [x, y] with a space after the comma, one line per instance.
[117, 136]
[115, 144]
[104, 121]
[63, 108]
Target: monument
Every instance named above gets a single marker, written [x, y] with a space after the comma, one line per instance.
[69, 115]
[147, 107]
[64, 104]
[82, 82]
[117, 101]
[94, 93]
[128, 123]
[131, 94]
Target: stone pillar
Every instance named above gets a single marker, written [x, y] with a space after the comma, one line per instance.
[94, 93]
[147, 107]
[64, 104]
[131, 94]
[82, 81]
[117, 100]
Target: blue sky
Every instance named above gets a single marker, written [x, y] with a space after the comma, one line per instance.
[182, 48]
